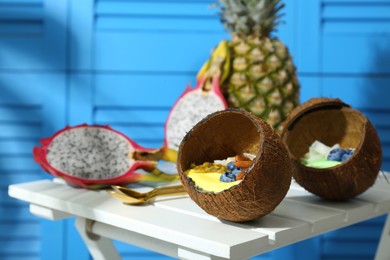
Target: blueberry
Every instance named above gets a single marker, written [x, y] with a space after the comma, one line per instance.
[335, 154]
[230, 166]
[227, 177]
[347, 154]
[236, 171]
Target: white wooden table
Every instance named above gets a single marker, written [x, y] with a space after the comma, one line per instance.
[177, 227]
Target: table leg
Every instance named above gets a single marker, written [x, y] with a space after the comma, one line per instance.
[383, 251]
[100, 248]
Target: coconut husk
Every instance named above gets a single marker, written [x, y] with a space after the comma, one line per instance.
[331, 121]
[228, 133]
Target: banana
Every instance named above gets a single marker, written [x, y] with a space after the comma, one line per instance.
[203, 69]
[169, 154]
[218, 63]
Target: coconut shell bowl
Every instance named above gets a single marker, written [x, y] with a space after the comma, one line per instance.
[331, 121]
[228, 133]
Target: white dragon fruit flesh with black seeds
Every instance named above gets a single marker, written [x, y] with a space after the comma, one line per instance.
[92, 153]
[96, 156]
[191, 107]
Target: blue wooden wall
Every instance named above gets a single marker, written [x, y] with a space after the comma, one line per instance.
[124, 62]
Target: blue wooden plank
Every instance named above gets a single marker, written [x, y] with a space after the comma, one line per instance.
[131, 116]
[386, 165]
[154, 1]
[355, 10]
[384, 134]
[38, 42]
[371, 233]
[19, 230]
[362, 92]
[19, 248]
[80, 102]
[386, 149]
[308, 56]
[266, 256]
[307, 249]
[32, 106]
[21, 2]
[141, 133]
[16, 212]
[171, 24]
[15, 28]
[343, 53]
[17, 146]
[349, 249]
[74, 247]
[310, 87]
[16, 92]
[287, 31]
[20, 131]
[29, 131]
[56, 35]
[155, 51]
[53, 240]
[375, 221]
[35, 90]
[21, 18]
[166, 8]
[367, 2]
[21, 12]
[143, 90]
[20, 257]
[20, 113]
[18, 163]
[379, 117]
[80, 38]
[356, 29]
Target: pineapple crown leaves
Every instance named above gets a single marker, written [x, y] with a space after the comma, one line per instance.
[251, 17]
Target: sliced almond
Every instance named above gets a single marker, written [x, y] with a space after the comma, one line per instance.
[243, 164]
[241, 157]
[240, 176]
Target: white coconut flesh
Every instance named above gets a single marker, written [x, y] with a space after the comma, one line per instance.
[188, 111]
[90, 153]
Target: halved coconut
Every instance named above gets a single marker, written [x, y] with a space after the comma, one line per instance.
[228, 133]
[331, 121]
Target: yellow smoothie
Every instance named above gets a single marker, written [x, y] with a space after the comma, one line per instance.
[206, 177]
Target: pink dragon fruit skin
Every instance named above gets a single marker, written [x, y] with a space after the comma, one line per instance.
[127, 176]
[193, 105]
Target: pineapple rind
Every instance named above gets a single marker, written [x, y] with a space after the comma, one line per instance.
[267, 87]
[262, 77]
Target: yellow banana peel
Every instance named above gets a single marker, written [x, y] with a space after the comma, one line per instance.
[219, 62]
[169, 155]
[203, 69]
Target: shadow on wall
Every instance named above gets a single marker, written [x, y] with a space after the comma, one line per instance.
[26, 115]
[24, 86]
[376, 94]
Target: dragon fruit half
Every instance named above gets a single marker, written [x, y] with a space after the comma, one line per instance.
[195, 104]
[191, 107]
[93, 156]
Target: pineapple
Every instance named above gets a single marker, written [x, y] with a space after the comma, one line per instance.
[262, 77]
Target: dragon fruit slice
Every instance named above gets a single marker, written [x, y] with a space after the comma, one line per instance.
[195, 104]
[98, 156]
[191, 107]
